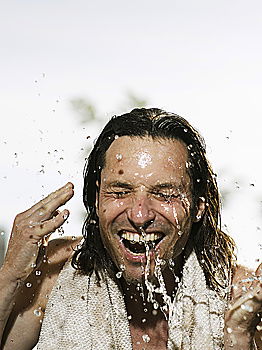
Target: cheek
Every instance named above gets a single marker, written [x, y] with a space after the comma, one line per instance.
[109, 205]
[175, 212]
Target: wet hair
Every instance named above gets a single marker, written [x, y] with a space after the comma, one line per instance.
[213, 247]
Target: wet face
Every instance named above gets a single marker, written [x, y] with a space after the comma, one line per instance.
[144, 200]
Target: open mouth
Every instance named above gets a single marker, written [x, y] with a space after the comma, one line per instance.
[136, 243]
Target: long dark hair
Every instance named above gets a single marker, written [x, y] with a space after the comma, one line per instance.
[214, 248]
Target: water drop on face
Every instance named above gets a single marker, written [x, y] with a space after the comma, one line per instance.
[119, 156]
[144, 159]
[146, 338]
[119, 274]
[28, 285]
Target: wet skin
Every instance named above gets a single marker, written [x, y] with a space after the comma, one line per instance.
[145, 183]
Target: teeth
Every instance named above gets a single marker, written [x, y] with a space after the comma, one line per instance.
[138, 238]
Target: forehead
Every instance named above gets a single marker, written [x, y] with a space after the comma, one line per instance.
[146, 157]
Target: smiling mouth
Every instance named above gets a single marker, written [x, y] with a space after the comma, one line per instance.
[136, 242]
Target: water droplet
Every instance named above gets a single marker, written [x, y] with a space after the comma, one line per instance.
[129, 317]
[61, 231]
[119, 274]
[116, 137]
[42, 169]
[2, 233]
[185, 130]
[119, 156]
[33, 265]
[37, 313]
[122, 267]
[143, 320]
[38, 273]
[146, 338]
[229, 330]
[28, 285]
[247, 308]
[155, 305]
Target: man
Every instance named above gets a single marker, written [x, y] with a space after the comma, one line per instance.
[154, 270]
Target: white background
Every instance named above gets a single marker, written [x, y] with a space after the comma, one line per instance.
[200, 59]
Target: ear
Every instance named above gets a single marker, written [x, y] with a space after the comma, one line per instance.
[201, 206]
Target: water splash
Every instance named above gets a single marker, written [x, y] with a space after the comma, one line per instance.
[144, 159]
[152, 289]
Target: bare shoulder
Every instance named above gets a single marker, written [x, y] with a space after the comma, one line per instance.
[24, 324]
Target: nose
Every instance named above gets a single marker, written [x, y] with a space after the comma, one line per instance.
[140, 213]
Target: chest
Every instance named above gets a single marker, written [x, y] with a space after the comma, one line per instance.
[149, 338]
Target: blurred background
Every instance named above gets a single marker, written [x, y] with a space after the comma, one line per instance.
[67, 66]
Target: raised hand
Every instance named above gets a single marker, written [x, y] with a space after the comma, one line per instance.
[244, 315]
[31, 230]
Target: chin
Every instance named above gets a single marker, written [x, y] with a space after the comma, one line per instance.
[134, 277]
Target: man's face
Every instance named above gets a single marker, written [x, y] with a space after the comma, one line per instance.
[145, 190]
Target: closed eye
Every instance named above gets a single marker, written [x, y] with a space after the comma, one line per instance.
[168, 197]
[119, 194]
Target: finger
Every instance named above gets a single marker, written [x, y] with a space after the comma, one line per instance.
[43, 229]
[259, 270]
[68, 188]
[250, 303]
[46, 209]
